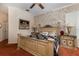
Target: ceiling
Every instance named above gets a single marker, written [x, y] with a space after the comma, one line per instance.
[36, 10]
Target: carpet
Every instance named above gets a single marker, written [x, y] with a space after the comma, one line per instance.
[11, 50]
[68, 52]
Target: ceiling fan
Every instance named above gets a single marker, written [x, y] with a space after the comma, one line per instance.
[39, 4]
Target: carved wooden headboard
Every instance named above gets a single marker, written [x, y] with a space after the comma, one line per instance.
[53, 29]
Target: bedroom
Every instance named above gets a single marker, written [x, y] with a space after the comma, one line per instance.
[24, 19]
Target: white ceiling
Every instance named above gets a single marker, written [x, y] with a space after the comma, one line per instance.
[36, 10]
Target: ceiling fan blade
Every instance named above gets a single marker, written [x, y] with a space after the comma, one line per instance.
[27, 10]
[41, 6]
[32, 5]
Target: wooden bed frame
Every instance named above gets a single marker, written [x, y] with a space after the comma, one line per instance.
[38, 47]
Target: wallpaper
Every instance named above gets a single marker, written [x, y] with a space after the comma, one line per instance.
[53, 17]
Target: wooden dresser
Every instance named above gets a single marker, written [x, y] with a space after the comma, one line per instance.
[36, 46]
[68, 41]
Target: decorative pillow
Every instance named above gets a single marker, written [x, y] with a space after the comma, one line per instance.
[53, 34]
[44, 33]
[40, 36]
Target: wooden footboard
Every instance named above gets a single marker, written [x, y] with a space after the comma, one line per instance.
[36, 46]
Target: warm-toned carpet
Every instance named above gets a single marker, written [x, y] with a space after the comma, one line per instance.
[68, 52]
[11, 50]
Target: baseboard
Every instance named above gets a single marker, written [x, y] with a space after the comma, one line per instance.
[12, 42]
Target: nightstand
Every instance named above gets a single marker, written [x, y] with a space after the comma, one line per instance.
[68, 41]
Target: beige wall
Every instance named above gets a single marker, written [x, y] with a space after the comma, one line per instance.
[14, 14]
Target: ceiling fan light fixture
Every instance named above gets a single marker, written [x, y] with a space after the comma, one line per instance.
[27, 10]
[39, 4]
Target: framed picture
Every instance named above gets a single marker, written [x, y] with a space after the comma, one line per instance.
[23, 24]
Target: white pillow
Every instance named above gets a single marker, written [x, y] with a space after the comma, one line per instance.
[45, 33]
[53, 34]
